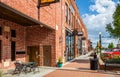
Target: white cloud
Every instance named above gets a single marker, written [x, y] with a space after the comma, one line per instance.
[102, 14]
[104, 10]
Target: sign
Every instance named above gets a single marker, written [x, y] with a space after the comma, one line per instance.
[6, 28]
[83, 38]
[47, 1]
[6, 64]
[80, 33]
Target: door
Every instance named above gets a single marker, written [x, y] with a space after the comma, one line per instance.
[47, 55]
[33, 54]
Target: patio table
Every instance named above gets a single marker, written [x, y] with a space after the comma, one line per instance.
[29, 66]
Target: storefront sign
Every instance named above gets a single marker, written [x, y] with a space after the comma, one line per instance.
[48, 1]
[80, 33]
[6, 28]
[6, 64]
[20, 52]
[83, 38]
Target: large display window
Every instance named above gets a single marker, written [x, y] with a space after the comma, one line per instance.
[69, 46]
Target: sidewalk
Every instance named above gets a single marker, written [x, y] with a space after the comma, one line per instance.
[80, 67]
[43, 71]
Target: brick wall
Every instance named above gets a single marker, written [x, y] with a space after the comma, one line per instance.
[53, 16]
[6, 41]
[40, 36]
[29, 7]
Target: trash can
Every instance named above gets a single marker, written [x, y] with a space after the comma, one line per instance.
[94, 64]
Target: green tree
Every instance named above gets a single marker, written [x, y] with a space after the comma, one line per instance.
[114, 27]
[111, 45]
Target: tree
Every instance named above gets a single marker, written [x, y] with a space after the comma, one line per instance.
[111, 45]
[114, 27]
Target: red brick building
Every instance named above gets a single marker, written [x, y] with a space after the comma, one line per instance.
[90, 47]
[44, 34]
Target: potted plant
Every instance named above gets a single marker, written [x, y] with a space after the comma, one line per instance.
[60, 62]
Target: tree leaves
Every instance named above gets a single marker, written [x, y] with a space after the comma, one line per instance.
[114, 27]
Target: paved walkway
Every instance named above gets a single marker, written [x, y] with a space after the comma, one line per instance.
[43, 71]
[80, 67]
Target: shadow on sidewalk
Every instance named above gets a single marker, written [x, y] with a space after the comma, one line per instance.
[89, 71]
[81, 61]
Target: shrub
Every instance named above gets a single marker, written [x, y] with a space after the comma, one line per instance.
[113, 58]
[60, 60]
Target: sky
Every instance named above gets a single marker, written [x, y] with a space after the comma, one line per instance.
[96, 14]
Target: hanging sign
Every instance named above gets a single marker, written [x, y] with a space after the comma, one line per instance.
[48, 1]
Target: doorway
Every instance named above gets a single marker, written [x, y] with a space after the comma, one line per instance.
[47, 55]
[33, 54]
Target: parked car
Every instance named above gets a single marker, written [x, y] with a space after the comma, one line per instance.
[111, 52]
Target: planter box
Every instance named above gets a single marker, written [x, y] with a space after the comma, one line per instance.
[101, 64]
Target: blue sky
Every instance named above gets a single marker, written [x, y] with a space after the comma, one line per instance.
[96, 14]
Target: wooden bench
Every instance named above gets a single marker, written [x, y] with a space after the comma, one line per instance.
[111, 64]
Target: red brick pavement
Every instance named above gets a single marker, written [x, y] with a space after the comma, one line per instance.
[79, 68]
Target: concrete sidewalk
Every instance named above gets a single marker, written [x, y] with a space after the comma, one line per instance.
[43, 70]
[80, 67]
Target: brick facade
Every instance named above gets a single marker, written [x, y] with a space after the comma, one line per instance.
[53, 16]
[6, 41]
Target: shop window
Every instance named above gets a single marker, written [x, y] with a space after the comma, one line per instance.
[13, 33]
[67, 13]
[13, 49]
[0, 50]
[0, 30]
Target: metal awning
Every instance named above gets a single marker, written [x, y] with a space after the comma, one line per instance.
[8, 13]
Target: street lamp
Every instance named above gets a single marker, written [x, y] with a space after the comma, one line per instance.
[100, 41]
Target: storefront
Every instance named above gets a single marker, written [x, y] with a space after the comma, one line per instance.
[19, 39]
[69, 46]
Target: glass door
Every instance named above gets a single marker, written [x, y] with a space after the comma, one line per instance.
[69, 46]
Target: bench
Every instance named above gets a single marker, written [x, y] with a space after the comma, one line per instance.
[112, 64]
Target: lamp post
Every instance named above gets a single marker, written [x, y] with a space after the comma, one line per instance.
[100, 41]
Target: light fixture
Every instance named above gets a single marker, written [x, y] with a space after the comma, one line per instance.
[41, 25]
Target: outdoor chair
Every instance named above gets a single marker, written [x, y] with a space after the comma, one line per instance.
[18, 67]
[34, 66]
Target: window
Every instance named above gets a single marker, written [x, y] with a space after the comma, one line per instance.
[0, 30]
[73, 21]
[0, 50]
[13, 33]
[13, 49]
[66, 13]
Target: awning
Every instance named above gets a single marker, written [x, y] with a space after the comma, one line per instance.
[8, 13]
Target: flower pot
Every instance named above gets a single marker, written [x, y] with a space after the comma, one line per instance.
[60, 64]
